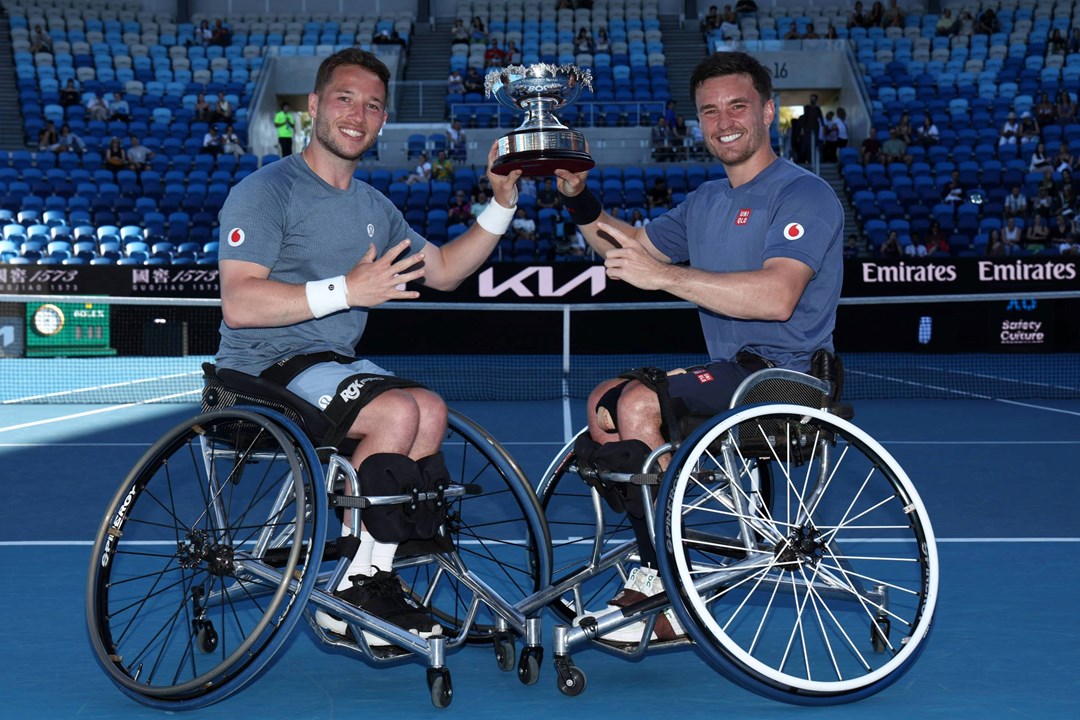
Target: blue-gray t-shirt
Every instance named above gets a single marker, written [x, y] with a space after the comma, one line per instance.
[288, 219]
[785, 211]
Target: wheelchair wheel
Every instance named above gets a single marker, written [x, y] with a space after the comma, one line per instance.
[203, 561]
[823, 595]
[498, 531]
[586, 535]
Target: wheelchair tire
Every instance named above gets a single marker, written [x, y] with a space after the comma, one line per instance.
[585, 531]
[184, 605]
[824, 595]
[498, 531]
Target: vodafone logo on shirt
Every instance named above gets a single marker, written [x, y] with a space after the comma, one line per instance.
[794, 231]
[236, 237]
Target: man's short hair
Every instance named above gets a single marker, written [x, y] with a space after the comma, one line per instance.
[721, 64]
[352, 56]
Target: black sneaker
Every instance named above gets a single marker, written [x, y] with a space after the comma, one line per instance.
[383, 596]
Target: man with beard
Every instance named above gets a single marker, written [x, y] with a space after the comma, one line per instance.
[759, 252]
[306, 250]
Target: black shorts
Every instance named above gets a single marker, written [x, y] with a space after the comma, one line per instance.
[706, 390]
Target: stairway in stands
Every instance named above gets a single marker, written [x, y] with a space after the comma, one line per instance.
[11, 122]
[428, 63]
[684, 48]
[830, 173]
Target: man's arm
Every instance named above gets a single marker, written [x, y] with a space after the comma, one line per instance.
[249, 298]
[446, 267]
[770, 293]
[571, 185]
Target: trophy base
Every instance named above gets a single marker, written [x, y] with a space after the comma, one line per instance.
[535, 163]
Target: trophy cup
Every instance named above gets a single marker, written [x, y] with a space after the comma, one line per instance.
[542, 143]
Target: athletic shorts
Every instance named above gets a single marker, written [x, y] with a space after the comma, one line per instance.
[706, 390]
[318, 383]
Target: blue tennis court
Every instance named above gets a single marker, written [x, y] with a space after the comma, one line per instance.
[997, 476]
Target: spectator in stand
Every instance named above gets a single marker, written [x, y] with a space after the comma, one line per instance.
[894, 16]
[1074, 40]
[895, 149]
[546, 196]
[459, 34]
[877, 14]
[1040, 162]
[285, 124]
[904, 129]
[851, 247]
[680, 134]
[638, 219]
[603, 41]
[1064, 160]
[841, 128]
[213, 143]
[946, 24]
[659, 195]
[832, 33]
[119, 108]
[70, 142]
[1012, 236]
[792, 33]
[221, 35]
[203, 111]
[1029, 132]
[231, 143]
[456, 141]
[1016, 203]
[965, 24]
[479, 203]
[859, 16]
[891, 247]
[512, 54]
[937, 242]
[204, 34]
[115, 157]
[460, 208]
[954, 192]
[455, 85]
[916, 247]
[421, 173]
[711, 21]
[813, 120]
[442, 169]
[670, 113]
[927, 134]
[583, 43]
[1010, 131]
[474, 81]
[138, 155]
[1060, 234]
[223, 110]
[871, 150]
[524, 231]
[48, 138]
[40, 42]
[1057, 43]
[1044, 203]
[70, 95]
[1037, 234]
[662, 141]
[988, 23]
[811, 33]
[832, 138]
[477, 32]
[995, 246]
[1045, 112]
[1066, 108]
[746, 8]
[96, 109]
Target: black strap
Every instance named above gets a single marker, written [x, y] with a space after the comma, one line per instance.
[657, 380]
[283, 371]
[752, 362]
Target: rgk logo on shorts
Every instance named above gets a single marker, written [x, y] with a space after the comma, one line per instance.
[703, 376]
[353, 391]
[744, 217]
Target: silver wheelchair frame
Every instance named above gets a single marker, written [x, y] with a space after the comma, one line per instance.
[215, 545]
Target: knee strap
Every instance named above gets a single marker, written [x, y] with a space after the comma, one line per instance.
[610, 401]
[434, 477]
[389, 474]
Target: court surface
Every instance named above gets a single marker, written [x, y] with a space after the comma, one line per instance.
[999, 479]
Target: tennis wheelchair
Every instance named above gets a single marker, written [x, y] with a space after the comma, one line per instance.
[793, 549]
[215, 545]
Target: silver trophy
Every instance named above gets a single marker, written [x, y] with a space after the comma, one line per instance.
[542, 143]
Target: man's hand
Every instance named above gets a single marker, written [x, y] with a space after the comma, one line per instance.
[503, 187]
[631, 262]
[570, 183]
[375, 281]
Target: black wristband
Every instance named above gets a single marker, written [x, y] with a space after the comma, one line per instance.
[584, 208]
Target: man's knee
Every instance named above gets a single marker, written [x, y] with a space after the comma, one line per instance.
[394, 408]
[637, 404]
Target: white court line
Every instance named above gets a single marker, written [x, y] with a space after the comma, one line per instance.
[98, 411]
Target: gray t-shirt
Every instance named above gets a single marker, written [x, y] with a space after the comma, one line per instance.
[286, 218]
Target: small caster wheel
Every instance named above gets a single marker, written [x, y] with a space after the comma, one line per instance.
[504, 652]
[879, 634]
[529, 665]
[572, 682]
[442, 690]
[207, 638]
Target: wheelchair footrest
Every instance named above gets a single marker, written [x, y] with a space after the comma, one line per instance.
[344, 546]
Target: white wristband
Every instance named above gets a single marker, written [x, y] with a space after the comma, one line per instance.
[327, 296]
[495, 218]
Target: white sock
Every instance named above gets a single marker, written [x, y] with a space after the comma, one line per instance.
[361, 562]
[382, 556]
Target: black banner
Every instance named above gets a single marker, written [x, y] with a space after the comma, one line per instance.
[574, 282]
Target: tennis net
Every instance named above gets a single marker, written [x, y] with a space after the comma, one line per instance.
[90, 349]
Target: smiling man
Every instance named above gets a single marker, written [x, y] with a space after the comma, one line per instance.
[306, 250]
[760, 253]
